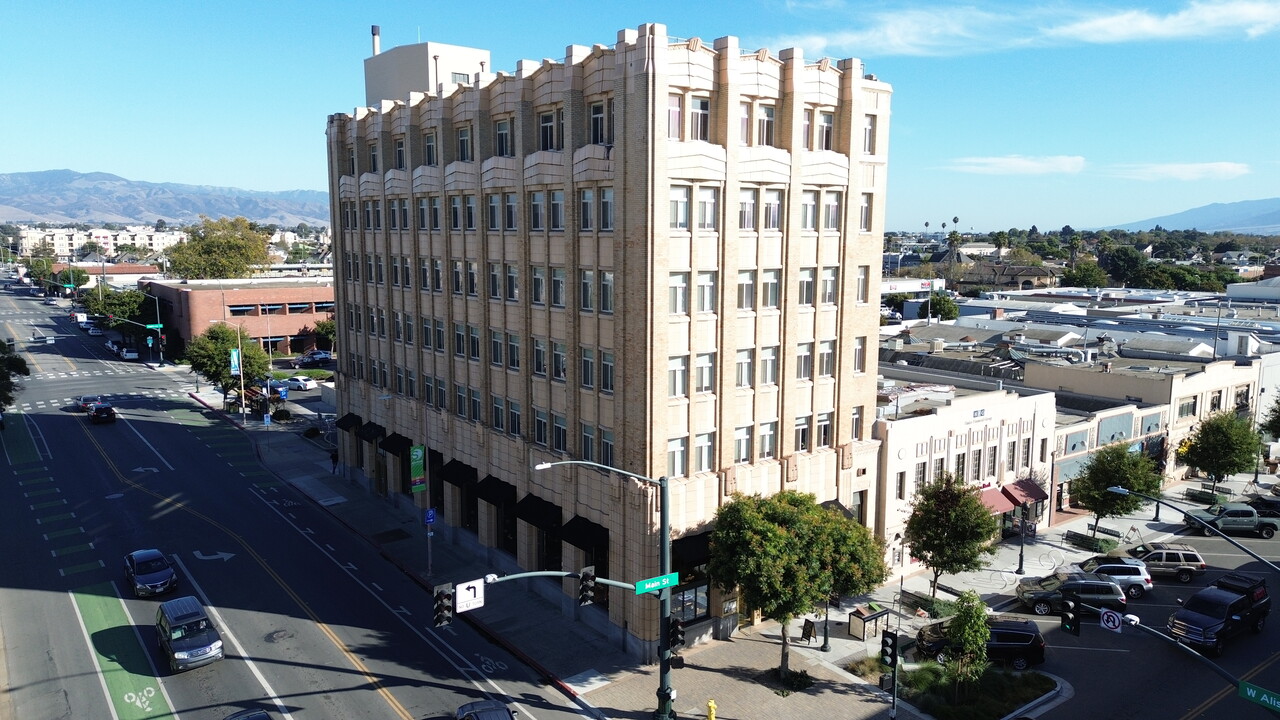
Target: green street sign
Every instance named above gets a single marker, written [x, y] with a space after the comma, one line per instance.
[69, 287]
[156, 326]
[1258, 695]
[657, 583]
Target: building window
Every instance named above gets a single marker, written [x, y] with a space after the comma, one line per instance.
[864, 217]
[830, 282]
[513, 351]
[606, 208]
[502, 144]
[806, 130]
[473, 279]
[706, 291]
[587, 366]
[700, 118]
[540, 426]
[536, 200]
[772, 209]
[869, 135]
[677, 457]
[459, 340]
[559, 434]
[805, 295]
[597, 124]
[399, 154]
[495, 281]
[746, 289]
[678, 293]
[439, 336]
[559, 361]
[429, 149]
[433, 205]
[537, 290]
[497, 412]
[823, 433]
[770, 288]
[539, 357]
[704, 452]
[460, 400]
[704, 373]
[437, 276]
[464, 144]
[769, 365]
[1011, 460]
[747, 209]
[831, 210]
[804, 361]
[513, 283]
[708, 204]
[1187, 407]
[513, 418]
[475, 405]
[764, 126]
[495, 347]
[742, 445]
[373, 157]
[864, 283]
[587, 442]
[992, 459]
[809, 210]
[679, 219]
[547, 130]
[557, 210]
[860, 354]
[455, 212]
[825, 139]
[768, 440]
[606, 372]
[675, 115]
[802, 434]
[509, 211]
[606, 447]
[827, 358]
[678, 376]
[921, 477]
[586, 290]
[557, 287]
[744, 368]
[606, 291]
[493, 216]
[586, 203]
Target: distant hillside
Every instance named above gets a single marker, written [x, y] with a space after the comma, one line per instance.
[66, 196]
[1252, 217]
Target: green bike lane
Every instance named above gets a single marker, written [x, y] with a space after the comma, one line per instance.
[124, 668]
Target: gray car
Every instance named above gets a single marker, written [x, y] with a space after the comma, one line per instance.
[484, 710]
[1043, 595]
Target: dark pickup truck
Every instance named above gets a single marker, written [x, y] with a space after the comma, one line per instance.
[1220, 611]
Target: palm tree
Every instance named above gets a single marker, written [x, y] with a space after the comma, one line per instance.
[1001, 241]
[1074, 244]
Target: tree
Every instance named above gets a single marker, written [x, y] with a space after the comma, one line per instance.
[1225, 443]
[11, 364]
[161, 225]
[117, 305]
[91, 246]
[1271, 423]
[1110, 466]
[1001, 241]
[1022, 256]
[210, 356]
[1073, 245]
[1085, 275]
[327, 329]
[73, 276]
[223, 248]
[949, 529]
[44, 249]
[787, 555]
[967, 636]
[1125, 264]
[943, 308]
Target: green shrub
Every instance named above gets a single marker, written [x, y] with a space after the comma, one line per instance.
[281, 415]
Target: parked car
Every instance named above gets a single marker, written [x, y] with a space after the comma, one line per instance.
[1044, 595]
[320, 355]
[304, 361]
[128, 354]
[484, 710]
[86, 402]
[1014, 640]
[1232, 517]
[1129, 573]
[301, 382]
[148, 572]
[95, 332]
[249, 715]
[1176, 559]
[102, 413]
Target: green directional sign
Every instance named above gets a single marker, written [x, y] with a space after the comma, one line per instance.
[657, 583]
[155, 326]
[1261, 696]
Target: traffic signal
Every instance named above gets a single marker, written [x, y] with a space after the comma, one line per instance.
[889, 648]
[444, 604]
[1070, 620]
[676, 633]
[587, 585]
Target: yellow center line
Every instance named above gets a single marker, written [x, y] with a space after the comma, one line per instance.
[248, 549]
[1223, 693]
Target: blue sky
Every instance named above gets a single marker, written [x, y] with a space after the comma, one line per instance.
[1005, 114]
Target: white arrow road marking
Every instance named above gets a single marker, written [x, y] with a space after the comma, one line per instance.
[224, 556]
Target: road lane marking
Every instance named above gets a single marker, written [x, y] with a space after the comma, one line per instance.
[56, 518]
[42, 492]
[83, 567]
[145, 442]
[34, 481]
[48, 504]
[71, 550]
[119, 658]
[63, 533]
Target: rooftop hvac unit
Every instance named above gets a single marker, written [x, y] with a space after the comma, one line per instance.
[937, 345]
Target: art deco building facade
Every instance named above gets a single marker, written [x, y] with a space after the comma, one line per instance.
[659, 256]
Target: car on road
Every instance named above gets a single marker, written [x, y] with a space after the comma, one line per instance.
[95, 332]
[1043, 595]
[88, 401]
[484, 710]
[1015, 640]
[128, 354]
[1129, 573]
[186, 634]
[1175, 559]
[102, 413]
[148, 572]
[51, 301]
[305, 361]
[321, 355]
[111, 345]
[301, 382]
[249, 715]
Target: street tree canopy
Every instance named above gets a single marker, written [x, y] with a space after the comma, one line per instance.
[967, 635]
[786, 555]
[117, 305]
[1086, 275]
[949, 529]
[942, 307]
[1225, 443]
[210, 357]
[222, 248]
[11, 364]
[1111, 466]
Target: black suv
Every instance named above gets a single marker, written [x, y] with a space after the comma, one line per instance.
[1014, 640]
[1233, 603]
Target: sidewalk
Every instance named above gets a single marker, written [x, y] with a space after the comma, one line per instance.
[602, 678]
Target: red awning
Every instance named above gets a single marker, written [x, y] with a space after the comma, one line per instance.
[996, 501]
[1024, 492]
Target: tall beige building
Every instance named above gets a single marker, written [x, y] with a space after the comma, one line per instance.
[659, 256]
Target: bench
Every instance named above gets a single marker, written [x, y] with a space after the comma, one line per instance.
[1203, 497]
[1208, 487]
[1089, 542]
[915, 602]
[1106, 531]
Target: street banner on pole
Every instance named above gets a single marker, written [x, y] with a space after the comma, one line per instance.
[235, 361]
[417, 468]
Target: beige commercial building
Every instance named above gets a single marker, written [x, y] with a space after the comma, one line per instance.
[659, 255]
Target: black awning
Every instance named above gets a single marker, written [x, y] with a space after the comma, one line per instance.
[396, 444]
[539, 513]
[456, 472]
[586, 535]
[496, 492]
[691, 551]
[370, 431]
[348, 421]
[838, 507]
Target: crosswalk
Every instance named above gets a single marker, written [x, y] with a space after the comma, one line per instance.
[112, 368]
[113, 398]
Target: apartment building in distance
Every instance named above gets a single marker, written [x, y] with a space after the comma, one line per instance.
[660, 255]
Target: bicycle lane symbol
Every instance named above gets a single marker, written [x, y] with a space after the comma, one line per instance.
[141, 699]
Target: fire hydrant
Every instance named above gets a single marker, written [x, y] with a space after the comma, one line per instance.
[711, 710]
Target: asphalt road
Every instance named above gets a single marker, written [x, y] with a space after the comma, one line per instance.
[316, 623]
[1133, 675]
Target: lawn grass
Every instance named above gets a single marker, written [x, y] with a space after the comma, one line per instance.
[996, 695]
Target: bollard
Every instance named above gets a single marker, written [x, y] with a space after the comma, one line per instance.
[711, 710]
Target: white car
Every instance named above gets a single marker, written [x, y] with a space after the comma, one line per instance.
[301, 382]
[111, 345]
[96, 332]
[128, 354]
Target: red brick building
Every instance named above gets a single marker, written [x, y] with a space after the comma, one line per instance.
[280, 313]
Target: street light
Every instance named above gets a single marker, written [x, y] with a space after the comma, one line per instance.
[666, 693]
[1022, 538]
[1126, 491]
[159, 332]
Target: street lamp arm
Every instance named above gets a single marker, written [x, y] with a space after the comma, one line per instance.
[598, 466]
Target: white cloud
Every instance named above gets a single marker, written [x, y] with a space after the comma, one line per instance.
[1181, 171]
[946, 30]
[1019, 165]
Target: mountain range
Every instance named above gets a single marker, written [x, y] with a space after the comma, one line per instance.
[66, 196]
